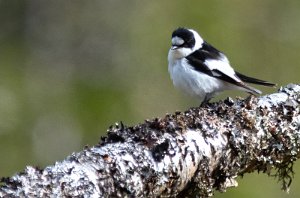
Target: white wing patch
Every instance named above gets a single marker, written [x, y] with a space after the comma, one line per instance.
[223, 66]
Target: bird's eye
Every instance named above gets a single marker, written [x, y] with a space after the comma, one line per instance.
[190, 40]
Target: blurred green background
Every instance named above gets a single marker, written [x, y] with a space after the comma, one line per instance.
[69, 69]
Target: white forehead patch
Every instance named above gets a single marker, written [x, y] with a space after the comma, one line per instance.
[177, 41]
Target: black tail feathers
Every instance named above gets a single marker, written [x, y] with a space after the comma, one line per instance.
[251, 80]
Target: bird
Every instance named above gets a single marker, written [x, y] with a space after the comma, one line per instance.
[202, 71]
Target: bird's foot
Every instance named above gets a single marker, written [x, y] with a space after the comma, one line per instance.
[205, 102]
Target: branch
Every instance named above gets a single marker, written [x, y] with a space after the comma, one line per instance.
[184, 154]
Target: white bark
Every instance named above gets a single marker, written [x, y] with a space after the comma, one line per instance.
[188, 154]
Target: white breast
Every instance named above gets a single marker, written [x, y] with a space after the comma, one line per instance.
[193, 82]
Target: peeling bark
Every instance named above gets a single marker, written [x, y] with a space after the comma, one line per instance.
[186, 154]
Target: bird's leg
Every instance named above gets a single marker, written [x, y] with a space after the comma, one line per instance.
[205, 101]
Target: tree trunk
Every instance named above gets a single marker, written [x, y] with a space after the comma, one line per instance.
[186, 154]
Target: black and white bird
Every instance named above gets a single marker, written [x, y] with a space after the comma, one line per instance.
[201, 70]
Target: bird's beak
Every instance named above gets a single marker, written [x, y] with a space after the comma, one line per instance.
[174, 47]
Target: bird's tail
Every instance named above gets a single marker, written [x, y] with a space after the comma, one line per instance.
[248, 79]
[251, 90]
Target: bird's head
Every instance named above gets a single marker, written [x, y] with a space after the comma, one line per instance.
[184, 42]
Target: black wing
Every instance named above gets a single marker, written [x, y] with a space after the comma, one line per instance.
[206, 52]
[197, 59]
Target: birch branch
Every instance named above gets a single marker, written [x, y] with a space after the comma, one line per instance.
[187, 154]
